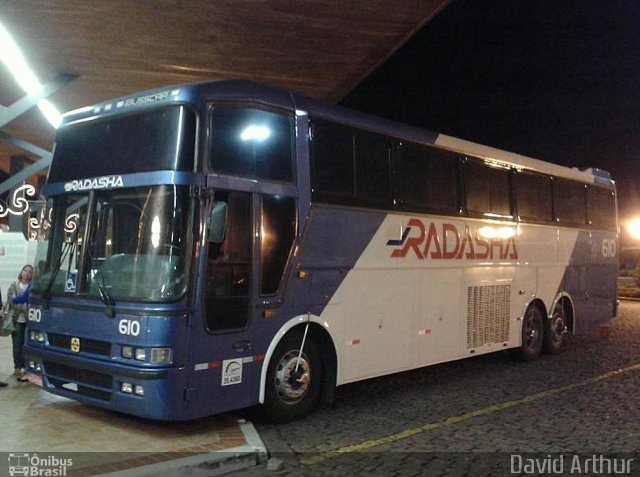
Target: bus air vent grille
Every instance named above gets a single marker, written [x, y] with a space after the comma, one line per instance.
[488, 312]
[82, 381]
[87, 346]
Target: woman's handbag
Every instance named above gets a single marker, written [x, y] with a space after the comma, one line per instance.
[7, 324]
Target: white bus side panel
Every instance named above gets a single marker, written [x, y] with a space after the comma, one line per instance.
[377, 306]
[400, 313]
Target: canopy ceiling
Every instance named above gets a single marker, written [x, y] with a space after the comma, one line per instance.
[320, 48]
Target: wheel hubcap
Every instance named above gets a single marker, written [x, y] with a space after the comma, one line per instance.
[532, 333]
[292, 384]
[559, 328]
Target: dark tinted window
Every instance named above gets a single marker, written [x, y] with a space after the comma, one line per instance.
[425, 178]
[569, 202]
[332, 159]
[601, 208]
[277, 236]
[228, 275]
[157, 139]
[534, 197]
[251, 143]
[488, 189]
[349, 166]
[373, 155]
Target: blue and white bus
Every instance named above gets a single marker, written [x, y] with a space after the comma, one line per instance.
[215, 246]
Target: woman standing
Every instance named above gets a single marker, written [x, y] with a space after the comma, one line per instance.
[17, 297]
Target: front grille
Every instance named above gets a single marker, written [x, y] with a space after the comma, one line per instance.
[86, 345]
[81, 376]
[488, 311]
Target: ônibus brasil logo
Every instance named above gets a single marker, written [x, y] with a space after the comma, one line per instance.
[449, 242]
[104, 182]
[34, 465]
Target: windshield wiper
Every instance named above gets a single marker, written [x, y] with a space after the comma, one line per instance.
[102, 288]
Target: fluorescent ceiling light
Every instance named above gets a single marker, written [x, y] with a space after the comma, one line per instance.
[255, 133]
[50, 112]
[13, 59]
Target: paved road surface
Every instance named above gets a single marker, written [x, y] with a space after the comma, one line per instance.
[579, 410]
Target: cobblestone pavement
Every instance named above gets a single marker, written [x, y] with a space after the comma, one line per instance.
[578, 409]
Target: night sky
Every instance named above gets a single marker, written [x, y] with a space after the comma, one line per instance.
[557, 80]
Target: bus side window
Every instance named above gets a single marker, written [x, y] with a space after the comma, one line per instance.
[277, 237]
[332, 159]
[373, 154]
[569, 202]
[425, 179]
[534, 197]
[226, 294]
[488, 190]
[601, 208]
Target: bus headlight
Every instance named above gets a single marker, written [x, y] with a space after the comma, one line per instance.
[126, 388]
[156, 355]
[141, 354]
[38, 336]
[138, 390]
[161, 355]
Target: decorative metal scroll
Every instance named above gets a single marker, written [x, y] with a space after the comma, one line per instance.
[18, 203]
[39, 224]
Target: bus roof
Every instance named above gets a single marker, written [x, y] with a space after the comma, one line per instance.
[240, 90]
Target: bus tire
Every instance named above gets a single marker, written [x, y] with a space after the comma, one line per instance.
[555, 330]
[291, 394]
[532, 334]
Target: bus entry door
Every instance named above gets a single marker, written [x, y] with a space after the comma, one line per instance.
[222, 353]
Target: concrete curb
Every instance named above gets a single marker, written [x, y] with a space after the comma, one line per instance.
[254, 440]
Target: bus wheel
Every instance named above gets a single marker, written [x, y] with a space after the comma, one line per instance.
[293, 379]
[555, 329]
[532, 334]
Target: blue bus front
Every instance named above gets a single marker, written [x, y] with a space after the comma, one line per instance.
[109, 312]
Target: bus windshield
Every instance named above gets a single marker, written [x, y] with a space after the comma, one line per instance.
[136, 244]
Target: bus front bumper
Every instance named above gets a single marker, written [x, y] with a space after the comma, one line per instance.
[152, 393]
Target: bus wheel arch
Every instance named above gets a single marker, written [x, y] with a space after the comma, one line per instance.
[569, 309]
[283, 396]
[533, 323]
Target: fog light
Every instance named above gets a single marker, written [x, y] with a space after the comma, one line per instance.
[139, 390]
[160, 355]
[126, 388]
[127, 352]
[141, 354]
[34, 366]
